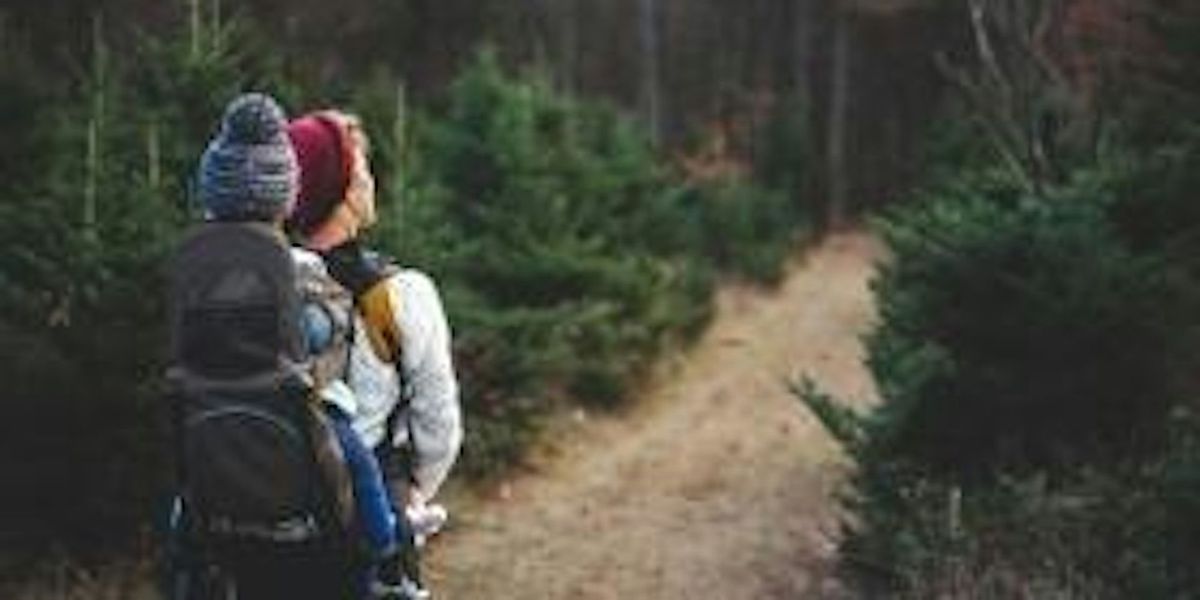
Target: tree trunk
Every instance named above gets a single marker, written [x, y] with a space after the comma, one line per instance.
[802, 35]
[568, 53]
[153, 156]
[95, 129]
[839, 90]
[651, 99]
[194, 27]
[399, 162]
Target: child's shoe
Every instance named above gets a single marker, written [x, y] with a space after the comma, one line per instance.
[405, 589]
[396, 578]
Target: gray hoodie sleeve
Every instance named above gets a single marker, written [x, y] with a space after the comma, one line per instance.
[434, 416]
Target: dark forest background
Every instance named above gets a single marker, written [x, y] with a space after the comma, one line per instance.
[579, 175]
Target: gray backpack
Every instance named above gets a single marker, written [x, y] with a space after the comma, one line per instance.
[256, 457]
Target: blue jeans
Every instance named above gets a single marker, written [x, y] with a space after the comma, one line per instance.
[376, 515]
[379, 498]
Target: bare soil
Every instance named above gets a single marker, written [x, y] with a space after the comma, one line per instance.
[718, 484]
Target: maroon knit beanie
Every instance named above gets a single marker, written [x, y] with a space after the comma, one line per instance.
[325, 161]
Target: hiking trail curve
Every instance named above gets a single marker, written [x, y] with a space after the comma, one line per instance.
[717, 484]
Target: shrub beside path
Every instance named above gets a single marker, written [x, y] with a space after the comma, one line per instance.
[717, 484]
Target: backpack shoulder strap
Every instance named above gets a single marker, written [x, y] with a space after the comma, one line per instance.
[379, 308]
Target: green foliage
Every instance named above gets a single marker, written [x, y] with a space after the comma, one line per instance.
[845, 424]
[1028, 537]
[89, 223]
[749, 230]
[534, 212]
[1036, 359]
[1154, 208]
[567, 257]
[1020, 331]
[1177, 539]
[786, 155]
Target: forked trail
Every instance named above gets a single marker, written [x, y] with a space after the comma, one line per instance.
[716, 486]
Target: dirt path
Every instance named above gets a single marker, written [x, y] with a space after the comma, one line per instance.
[717, 486]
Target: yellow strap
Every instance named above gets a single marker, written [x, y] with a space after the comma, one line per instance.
[379, 308]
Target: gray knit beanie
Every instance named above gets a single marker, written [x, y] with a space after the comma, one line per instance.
[249, 170]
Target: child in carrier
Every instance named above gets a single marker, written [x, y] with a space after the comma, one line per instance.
[383, 530]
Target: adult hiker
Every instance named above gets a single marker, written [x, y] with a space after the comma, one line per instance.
[276, 489]
[400, 367]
